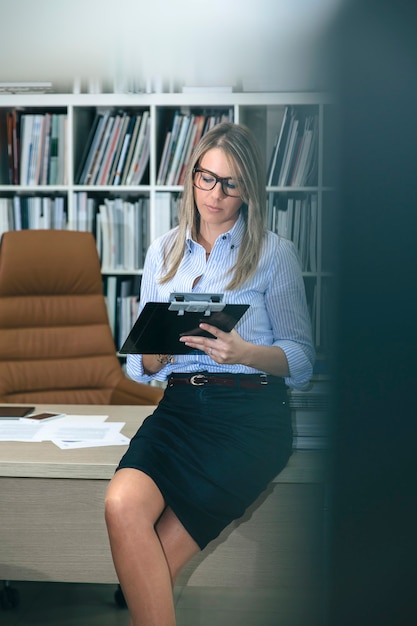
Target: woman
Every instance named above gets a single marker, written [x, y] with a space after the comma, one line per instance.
[216, 439]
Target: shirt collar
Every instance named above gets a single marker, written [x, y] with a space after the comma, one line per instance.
[234, 235]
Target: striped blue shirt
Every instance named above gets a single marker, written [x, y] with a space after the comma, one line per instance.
[277, 316]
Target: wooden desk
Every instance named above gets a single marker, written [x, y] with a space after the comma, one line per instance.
[52, 522]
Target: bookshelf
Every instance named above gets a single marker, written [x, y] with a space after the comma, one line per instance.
[300, 206]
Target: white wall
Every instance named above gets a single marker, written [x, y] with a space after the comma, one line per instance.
[269, 44]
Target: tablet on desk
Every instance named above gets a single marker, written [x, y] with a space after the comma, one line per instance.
[160, 324]
[8, 412]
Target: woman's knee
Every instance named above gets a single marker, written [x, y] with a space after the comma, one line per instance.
[132, 494]
[116, 503]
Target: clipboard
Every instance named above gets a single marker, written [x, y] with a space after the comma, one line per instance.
[160, 324]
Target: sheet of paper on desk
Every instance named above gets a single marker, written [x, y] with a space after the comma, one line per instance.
[75, 433]
[49, 429]
[115, 440]
[70, 431]
[19, 430]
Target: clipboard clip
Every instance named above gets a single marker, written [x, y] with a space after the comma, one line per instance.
[206, 303]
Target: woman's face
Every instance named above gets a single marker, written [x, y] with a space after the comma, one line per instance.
[216, 208]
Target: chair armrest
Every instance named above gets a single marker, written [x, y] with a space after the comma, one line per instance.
[128, 391]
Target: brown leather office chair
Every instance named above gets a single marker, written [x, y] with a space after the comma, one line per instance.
[56, 344]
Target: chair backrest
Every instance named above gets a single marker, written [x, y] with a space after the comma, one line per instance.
[55, 341]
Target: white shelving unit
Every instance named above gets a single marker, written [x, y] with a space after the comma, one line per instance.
[262, 112]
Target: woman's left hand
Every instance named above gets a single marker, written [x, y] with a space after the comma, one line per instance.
[225, 348]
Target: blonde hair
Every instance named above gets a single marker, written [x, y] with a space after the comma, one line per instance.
[245, 161]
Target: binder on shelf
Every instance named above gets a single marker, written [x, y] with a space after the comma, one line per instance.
[161, 324]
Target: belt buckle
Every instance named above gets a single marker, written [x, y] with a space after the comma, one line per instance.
[198, 380]
[264, 379]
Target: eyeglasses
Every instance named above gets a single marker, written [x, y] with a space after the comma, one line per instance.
[206, 180]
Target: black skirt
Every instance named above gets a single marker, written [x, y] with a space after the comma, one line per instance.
[211, 450]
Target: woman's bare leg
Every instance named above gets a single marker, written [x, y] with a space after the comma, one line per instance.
[146, 562]
[179, 547]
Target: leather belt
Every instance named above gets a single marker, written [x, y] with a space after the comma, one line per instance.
[246, 381]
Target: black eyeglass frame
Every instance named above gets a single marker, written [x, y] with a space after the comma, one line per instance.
[218, 179]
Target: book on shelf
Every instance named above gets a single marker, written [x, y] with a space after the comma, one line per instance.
[122, 302]
[115, 147]
[46, 147]
[111, 301]
[304, 237]
[62, 149]
[57, 150]
[85, 212]
[13, 124]
[124, 150]
[99, 158]
[41, 158]
[303, 168]
[5, 215]
[108, 154]
[122, 233]
[195, 136]
[35, 151]
[118, 148]
[93, 145]
[141, 155]
[296, 176]
[278, 151]
[185, 151]
[87, 154]
[19, 213]
[169, 148]
[127, 307]
[294, 155]
[26, 125]
[312, 256]
[136, 148]
[163, 200]
[96, 149]
[289, 152]
[131, 151]
[295, 217]
[172, 174]
[104, 237]
[53, 152]
[180, 140]
[163, 164]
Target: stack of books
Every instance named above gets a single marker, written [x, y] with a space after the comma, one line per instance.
[295, 217]
[122, 233]
[117, 150]
[37, 148]
[180, 141]
[294, 157]
[122, 302]
[18, 212]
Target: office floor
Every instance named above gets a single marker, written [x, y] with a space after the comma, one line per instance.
[59, 604]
